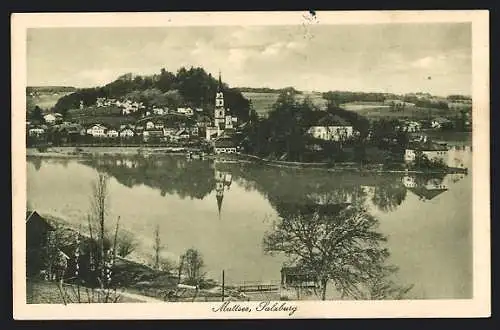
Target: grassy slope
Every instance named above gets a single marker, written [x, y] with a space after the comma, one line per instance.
[44, 292]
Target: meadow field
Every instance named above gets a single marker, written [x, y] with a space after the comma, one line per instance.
[263, 102]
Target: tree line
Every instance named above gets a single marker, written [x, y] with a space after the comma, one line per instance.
[283, 134]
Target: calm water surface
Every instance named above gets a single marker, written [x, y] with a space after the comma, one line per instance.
[224, 211]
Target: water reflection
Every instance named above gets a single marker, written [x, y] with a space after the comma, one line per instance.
[428, 187]
[222, 182]
[196, 179]
[171, 175]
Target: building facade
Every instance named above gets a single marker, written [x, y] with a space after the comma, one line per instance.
[331, 133]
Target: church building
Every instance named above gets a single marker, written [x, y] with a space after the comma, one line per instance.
[223, 120]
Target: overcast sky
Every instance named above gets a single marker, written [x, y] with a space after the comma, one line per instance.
[397, 58]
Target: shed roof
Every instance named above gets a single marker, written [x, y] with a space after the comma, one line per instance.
[225, 143]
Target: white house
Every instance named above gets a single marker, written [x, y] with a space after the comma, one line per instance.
[150, 125]
[112, 133]
[36, 131]
[158, 111]
[332, 133]
[332, 128]
[50, 118]
[440, 122]
[433, 151]
[126, 133]
[97, 130]
[185, 111]
[411, 126]
[224, 145]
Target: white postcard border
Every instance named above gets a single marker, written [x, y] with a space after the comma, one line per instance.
[479, 306]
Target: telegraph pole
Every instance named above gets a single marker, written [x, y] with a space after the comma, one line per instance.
[223, 285]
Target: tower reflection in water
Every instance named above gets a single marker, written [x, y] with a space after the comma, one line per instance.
[223, 182]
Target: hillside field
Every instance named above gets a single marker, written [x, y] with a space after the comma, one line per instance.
[46, 100]
[263, 102]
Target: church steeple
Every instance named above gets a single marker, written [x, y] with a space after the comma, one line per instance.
[219, 88]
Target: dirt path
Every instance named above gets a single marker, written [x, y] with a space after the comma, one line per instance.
[140, 298]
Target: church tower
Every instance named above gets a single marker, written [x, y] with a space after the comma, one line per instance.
[219, 115]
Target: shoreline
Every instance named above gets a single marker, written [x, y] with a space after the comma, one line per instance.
[239, 158]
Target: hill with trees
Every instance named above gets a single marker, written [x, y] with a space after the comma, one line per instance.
[192, 87]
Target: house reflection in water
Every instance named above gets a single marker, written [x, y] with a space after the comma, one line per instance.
[427, 188]
[222, 182]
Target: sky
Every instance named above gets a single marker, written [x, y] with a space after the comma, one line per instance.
[395, 58]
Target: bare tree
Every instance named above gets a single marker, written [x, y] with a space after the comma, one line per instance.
[192, 264]
[158, 247]
[344, 248]
[99, 205]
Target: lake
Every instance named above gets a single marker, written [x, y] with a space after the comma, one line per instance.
[224, 210]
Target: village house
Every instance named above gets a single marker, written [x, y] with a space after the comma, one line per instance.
[440, 123]
[225, 145]
[52, 118]
[332, 128]
[433, 151]
[126, 133]
[97, 130]
[158, 111]
[39, 233]
[410, 126]
[36, 131]
[185, 111]
[112, 133]
[150, 125]
[182, 134]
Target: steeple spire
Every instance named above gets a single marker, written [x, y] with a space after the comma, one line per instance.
[220, 82]
[219, 203]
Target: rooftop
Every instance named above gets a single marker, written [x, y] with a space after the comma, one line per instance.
[332, 120]
[427, 194]
[225, 143]
[427, 146]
